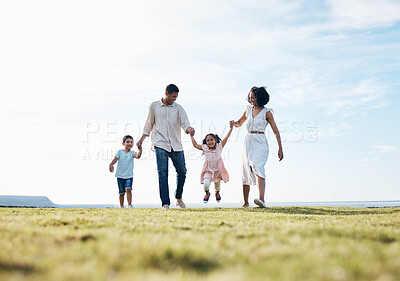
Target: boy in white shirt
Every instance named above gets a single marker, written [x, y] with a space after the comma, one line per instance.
[124, 171]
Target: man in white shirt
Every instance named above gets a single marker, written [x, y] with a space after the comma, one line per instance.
[164, 121]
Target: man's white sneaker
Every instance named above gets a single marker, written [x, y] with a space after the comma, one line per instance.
[165, 207]
[180, 203]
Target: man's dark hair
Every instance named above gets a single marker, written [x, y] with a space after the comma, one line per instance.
[126, 137]
[171, 88]
[261, 95]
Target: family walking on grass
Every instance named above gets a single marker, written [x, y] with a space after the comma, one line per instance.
[165, 120]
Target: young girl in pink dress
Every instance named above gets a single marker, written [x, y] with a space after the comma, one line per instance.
[213, 169]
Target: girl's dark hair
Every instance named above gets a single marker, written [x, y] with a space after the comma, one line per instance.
[216, 137]
[126, 137]
[261, 95]
[171, 88]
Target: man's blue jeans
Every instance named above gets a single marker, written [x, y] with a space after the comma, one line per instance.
[178, 159]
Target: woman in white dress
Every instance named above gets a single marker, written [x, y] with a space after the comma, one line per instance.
[255, 148]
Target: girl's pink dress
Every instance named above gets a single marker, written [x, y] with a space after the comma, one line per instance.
[214, 168]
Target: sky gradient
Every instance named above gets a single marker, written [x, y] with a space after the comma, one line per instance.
[77, 76]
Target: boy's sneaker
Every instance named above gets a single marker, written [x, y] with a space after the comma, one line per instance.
[217, 196]
[165, 207]
[130, 206]
[180, 203]
[206, 197]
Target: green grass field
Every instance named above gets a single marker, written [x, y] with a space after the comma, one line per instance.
[291, 243]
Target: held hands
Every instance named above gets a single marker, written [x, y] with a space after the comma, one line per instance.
[111, 168]
[190, 131]
[139, 144]
[232, 123]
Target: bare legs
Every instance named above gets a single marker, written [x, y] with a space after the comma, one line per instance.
[246, 191]
[261, 188]
[207, 183]
[128, 197]
[217, 185]
[261, 191]
[121, 200]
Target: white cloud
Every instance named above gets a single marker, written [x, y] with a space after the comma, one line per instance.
[366, 162]
[58, 56]
[374, 157]
[335, 130]
[69, 58]
[365, 95]
[386, 148]
[362, 14]
[63, 64]
[312, 86]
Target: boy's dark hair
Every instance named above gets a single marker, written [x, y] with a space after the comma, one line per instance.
[126, 137]
[216, 137]
[171, 88]
[261, 95]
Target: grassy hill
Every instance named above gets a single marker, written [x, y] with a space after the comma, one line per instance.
[291, 243]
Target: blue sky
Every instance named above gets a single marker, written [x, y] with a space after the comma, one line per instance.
[77, 76]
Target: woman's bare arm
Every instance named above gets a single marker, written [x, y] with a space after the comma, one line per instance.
[271, 121]
[241, 120]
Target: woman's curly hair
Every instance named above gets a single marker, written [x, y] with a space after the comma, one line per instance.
[261, 95]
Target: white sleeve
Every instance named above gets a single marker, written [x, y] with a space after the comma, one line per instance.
[149, 122]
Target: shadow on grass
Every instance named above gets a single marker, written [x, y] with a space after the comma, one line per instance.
[186, 260]
[357, 235]
[83, 238]
[330, 211]
[25, 269]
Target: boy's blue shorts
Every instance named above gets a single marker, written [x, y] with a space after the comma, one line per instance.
[124, 184]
